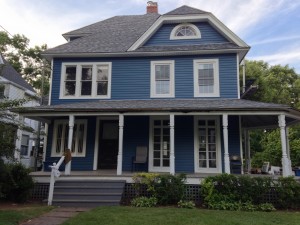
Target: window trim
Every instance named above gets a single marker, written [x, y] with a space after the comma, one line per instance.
[27, 136]
[215, 63]
[79, 65]
[54, 137]
[175, 29]
[218, 145]
[153, 93]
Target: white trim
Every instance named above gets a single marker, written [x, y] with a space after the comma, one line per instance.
[238, 76]
[242, 150]
[151, 168]
[96, 145]
[51, 81]
[120, 145]
[215, 63]
[79, 65]
[218, 145]
[195, 28]
[188, 18]
[54, 137]
[153, 93]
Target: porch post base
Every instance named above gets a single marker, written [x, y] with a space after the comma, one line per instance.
[68, 168]
[286, 167]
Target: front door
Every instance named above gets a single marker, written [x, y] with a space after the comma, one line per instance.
[160, 145]
[108, 144]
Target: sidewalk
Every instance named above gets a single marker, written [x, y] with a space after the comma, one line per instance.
[56, 216]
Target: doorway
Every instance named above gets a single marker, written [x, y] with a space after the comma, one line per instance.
[108, 144]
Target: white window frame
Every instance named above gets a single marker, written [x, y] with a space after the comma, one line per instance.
[79, 66]
[175, 29]
[151, 141]
[218, 145]
[54, 138]
[216, 92]
[27, 146]
[153, 93]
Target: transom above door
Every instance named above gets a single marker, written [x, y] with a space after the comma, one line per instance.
[207, 145]
[159, 154]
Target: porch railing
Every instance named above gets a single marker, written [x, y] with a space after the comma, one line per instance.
[55, 173]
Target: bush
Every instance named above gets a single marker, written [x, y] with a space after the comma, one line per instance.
[167, 189]
[288, 190]
[144, 202]
[186, 204]
[18, 183]
[229, 192]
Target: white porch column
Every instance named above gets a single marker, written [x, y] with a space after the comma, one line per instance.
[225, 138]
[70, 139]
[248, 151]
[172, 144]
[17, 153]
[286, 164]
[120, 152]
[287, 143]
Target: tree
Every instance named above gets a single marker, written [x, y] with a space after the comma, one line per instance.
[276, 84]
[26, 60]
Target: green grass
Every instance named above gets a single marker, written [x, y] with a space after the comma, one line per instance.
[176, 216]
[14, 216]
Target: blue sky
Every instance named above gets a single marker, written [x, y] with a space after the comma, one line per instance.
[270, 27]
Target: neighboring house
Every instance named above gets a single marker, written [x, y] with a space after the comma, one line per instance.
[168, 82]
[13, 86]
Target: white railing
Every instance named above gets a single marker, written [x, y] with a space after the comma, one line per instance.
[54, 174]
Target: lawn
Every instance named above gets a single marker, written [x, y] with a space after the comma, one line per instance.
[12, 216]
[176, 216]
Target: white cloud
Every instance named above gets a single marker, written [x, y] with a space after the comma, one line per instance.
[279, 39]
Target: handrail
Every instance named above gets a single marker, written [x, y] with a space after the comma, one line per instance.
[54, 174]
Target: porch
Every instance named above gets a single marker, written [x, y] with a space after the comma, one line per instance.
[194, 136]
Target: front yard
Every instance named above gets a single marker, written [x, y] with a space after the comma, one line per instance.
[176, 216]
[14, 214]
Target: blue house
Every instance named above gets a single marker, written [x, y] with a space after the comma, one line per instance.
[169, 83]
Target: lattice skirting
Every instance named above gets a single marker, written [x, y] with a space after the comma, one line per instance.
[192, 193]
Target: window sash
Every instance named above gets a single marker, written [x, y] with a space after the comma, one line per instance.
[162, 79]
[61, 138]
[206, 78]
[24, 145]
[83, 80]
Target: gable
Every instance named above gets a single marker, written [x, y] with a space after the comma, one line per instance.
[209, 35]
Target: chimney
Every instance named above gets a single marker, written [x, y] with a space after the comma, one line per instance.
[152, 7]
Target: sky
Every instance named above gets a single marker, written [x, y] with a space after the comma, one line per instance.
[270, 27]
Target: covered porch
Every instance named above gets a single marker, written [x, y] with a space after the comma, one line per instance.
[194, 136]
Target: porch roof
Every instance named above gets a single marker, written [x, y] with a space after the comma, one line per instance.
[254, 113]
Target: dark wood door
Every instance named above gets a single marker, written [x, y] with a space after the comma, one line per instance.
[108, 144]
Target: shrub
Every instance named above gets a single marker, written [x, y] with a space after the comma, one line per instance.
[168, 189]
[18, 184]
[186, 204]
[229, 192]
[266, 207]
[144, 202]
[288, 190]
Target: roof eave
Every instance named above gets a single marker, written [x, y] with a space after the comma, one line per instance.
[50, 56]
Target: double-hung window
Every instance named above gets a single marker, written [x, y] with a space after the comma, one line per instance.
[162, 79]
[61, 136]
[86, 80]
[206, 78]
[24, 145]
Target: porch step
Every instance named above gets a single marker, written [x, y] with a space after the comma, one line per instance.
[87, 193]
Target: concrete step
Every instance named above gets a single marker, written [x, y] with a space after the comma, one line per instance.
[108, 184]
[87, 196]
[67, 189]
[83, 203]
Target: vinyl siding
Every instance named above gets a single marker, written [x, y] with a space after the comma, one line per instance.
[131, 77]
[208, 35]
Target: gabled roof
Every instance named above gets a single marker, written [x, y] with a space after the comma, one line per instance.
[125, 35]
[183, 10]
[116, 34]
[9, 73]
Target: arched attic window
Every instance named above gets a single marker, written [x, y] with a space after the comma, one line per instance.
[185, 31]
